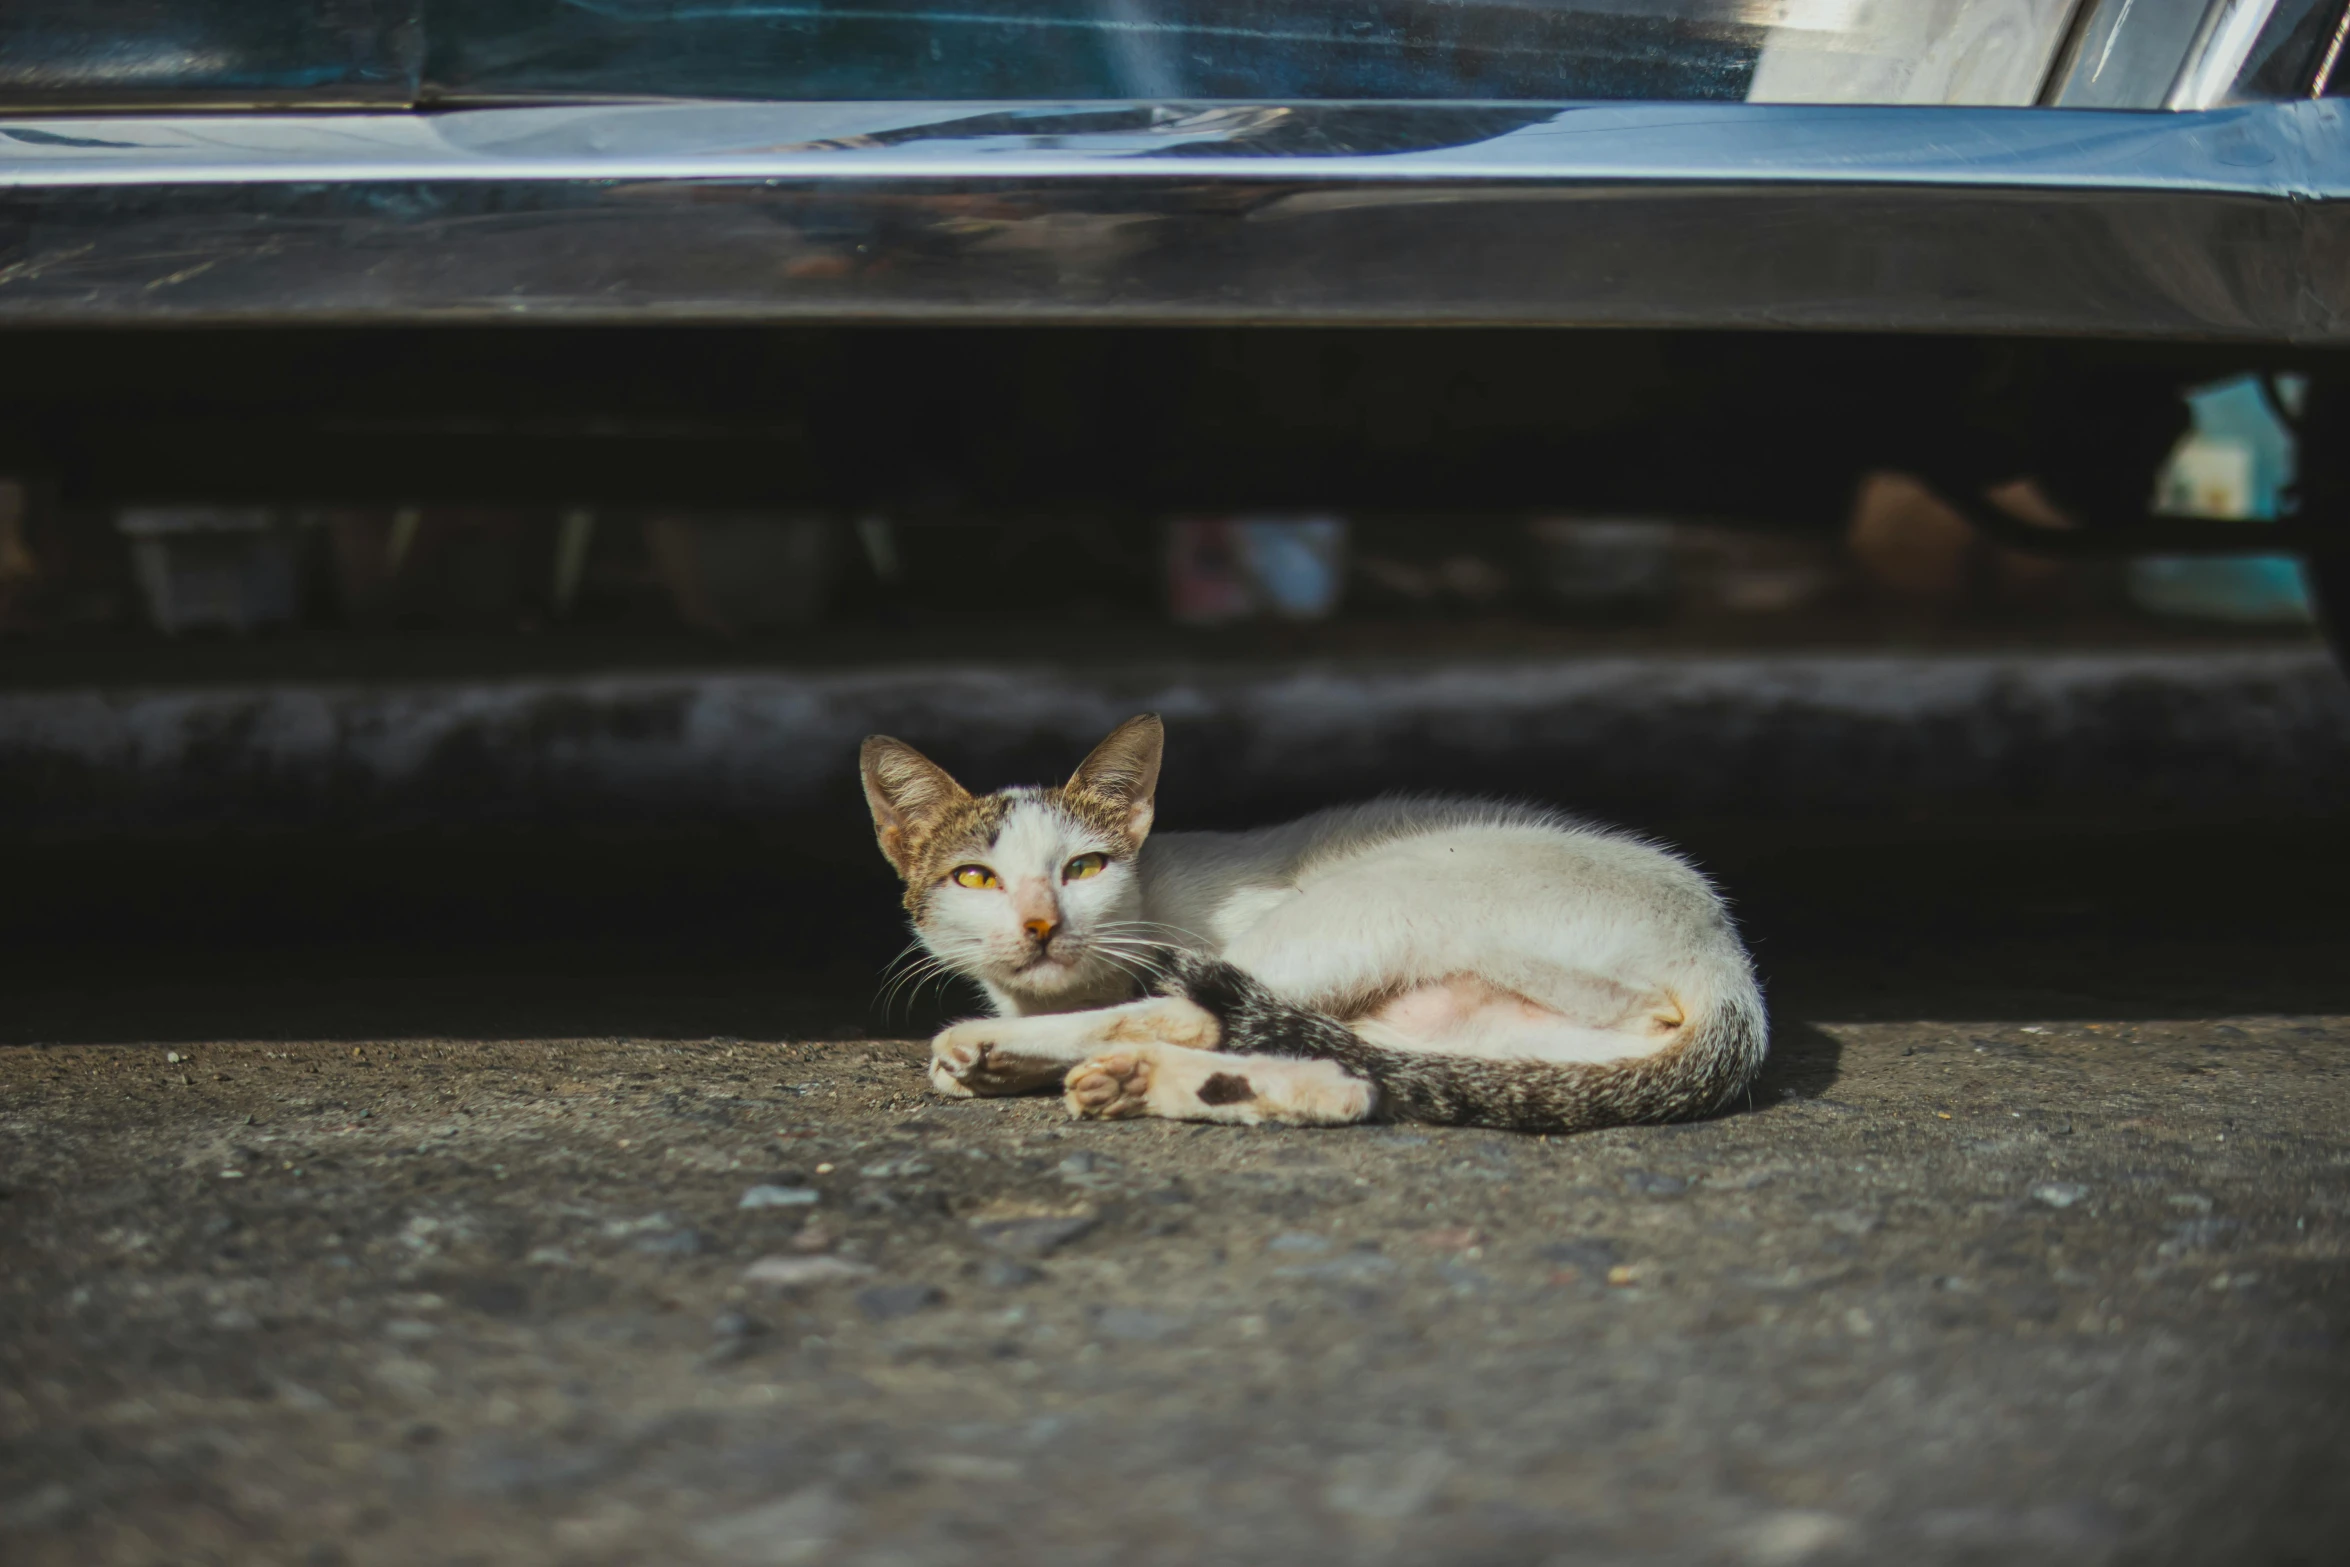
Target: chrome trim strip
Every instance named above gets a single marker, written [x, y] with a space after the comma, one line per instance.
[2253, 149]
[2230, 224]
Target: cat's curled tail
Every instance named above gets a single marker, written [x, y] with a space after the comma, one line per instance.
[1715, 1056]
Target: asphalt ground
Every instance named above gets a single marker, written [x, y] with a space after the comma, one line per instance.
[383, 1201]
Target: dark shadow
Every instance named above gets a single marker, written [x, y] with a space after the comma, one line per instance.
[1804, 1063]
[685, 935]
[517, 935]
[2025, 924]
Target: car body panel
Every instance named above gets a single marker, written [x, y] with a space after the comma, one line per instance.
[2228, 224]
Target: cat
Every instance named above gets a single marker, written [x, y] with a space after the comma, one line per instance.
[1434, 960]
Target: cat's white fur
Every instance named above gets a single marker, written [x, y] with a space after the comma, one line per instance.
[1431, 925]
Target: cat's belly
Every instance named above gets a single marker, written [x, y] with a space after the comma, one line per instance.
[1458, 1002]
[1462, 1014]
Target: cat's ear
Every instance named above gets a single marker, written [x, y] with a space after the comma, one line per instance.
[1124, 770]
[905, 790]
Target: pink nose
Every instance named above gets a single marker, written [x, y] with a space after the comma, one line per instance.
[1041, 929]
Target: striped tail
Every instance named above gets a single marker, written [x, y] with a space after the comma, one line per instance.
[1717, 1056]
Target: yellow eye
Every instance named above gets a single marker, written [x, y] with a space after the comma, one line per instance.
[1083, 866]
[973, 876]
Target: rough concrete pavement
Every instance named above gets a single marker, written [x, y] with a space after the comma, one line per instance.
[2068, 1291]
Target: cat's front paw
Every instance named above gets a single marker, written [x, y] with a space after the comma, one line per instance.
[984, 1057]
[1109, 1088]
[958, 1056]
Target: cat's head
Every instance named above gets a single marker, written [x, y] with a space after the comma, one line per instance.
[1026, 890]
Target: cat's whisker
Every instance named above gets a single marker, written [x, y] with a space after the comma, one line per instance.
[908, 988]
[1141, 970]
[912, 973]
[1127, 966]
[911, 952]
[901, 980]
[898, 987]
[1148, 957]
[887, 1001]
[1128, 953]
[940, 978]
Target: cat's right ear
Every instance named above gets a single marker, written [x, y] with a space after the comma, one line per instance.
[905, 790]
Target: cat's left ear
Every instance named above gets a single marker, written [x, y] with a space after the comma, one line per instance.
[1124, 770]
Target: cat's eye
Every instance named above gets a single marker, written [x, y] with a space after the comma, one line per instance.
[1083, 866]
[973, 876]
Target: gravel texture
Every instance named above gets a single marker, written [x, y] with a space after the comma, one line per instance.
[2069, 1291]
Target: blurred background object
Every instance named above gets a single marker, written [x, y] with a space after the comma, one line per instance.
[1222, 569]
[1444, 567]
[20, 573]
[1911, 544]
[57, 580]
[1916, 551]
[736, 574]
[365, 551]
[214, 568]
[886, 572]
[480, 568]
[1594, 568]
[1750, 572]
[2239, 460]
[1860, 642]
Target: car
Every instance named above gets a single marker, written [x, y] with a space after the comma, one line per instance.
[1133, 256]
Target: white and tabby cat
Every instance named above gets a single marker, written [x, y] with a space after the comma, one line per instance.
[1426, 960]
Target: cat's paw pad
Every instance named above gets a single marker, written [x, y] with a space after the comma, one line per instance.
[1109, 1087]
[948, 1079]
[958, 1061]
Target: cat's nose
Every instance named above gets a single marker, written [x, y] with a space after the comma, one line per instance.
[1041, 929]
